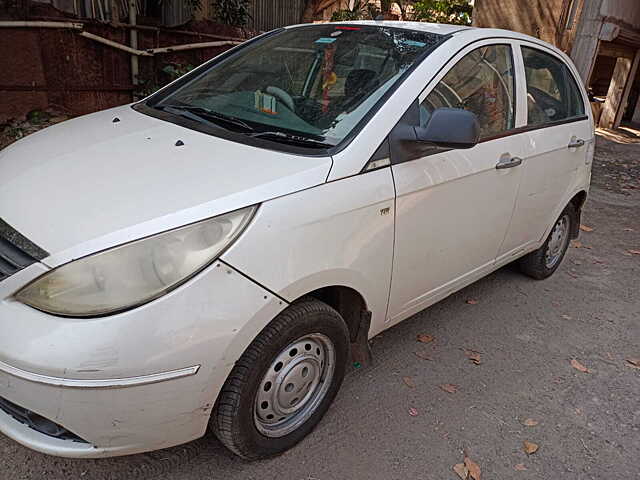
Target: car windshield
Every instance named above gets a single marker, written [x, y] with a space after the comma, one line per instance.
[313, 84]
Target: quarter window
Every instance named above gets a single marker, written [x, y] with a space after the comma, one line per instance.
[481, 82]
[552, 92]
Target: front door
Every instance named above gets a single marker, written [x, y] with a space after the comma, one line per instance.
[453, 207]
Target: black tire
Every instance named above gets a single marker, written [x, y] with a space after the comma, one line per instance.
[535, 264]
[233, 421]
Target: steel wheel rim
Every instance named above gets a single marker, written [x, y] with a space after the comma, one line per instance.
[294, 385]
[557, 241]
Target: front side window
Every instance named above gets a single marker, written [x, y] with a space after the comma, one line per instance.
[552, 92]
[481, 82]
[311, 83]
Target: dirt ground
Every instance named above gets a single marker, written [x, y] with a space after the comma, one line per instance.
[525, 335]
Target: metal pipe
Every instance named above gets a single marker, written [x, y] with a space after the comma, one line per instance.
[133, 18]
[117, 45]
[38, 24]
[191, 46]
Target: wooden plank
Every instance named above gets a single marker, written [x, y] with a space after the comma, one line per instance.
[609, 49]
[615, 95]
[627, 90]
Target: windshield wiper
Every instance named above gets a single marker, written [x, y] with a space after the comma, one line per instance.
[292, 139]
[200, 114]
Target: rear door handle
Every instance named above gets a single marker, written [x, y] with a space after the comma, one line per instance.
[509, 163]
[577, 143]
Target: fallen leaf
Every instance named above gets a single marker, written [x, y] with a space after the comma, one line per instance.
[473, 467]
[461, 470]
[633, 362]
[473, 356]
[579, 244]
[449, 388]
[530, 422]
[566, 317]
[520, 467]
[423, 338]
[422, 355]
[584, 228]
[413, 412]
[634, 252]
[530, 448]
[472, 301]
[578, 366]
[408, 381]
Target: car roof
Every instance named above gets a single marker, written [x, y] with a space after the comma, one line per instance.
[441, 28]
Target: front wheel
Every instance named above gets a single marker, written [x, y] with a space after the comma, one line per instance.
[542, 263]
[284, 383]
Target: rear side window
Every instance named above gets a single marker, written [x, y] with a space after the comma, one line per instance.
[481, 82]
[552, 92]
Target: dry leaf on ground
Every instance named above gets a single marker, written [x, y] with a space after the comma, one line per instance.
[424, 338]
[520, 467]
[578, 366]
[472, 301]
[530, 422]
[584, 228]
[408, 381]
[422, 355]
[461, 470]
[633, 362]
[473, 467]
[473, 356]
[413, 412]
[449, 388]
[579, 244]
[530, 448]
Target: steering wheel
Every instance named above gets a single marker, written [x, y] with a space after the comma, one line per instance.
[283, 96]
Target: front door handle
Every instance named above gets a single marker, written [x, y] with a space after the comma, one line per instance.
[509, 162]
[576, 143]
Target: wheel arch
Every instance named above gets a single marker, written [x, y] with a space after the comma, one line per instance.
[577, 201]
[347, 301]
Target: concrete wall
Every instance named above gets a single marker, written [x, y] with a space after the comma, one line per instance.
[626, 11]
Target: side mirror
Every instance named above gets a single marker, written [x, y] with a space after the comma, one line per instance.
[450, 128]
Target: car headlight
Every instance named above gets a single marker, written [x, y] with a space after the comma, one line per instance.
[135, 273]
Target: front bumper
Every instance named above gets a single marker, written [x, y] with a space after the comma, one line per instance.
[141, 380]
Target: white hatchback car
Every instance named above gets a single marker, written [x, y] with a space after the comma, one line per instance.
[216, 254]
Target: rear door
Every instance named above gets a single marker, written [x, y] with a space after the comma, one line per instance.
[558, 136]
[453, 207]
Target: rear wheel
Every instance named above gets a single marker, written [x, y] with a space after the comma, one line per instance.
[542, 263]
[284, 383]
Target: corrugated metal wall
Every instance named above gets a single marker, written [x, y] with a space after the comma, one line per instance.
[270, 14]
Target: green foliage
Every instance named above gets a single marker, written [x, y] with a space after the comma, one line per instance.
[362, 10]
[232, 12]
[457, 12]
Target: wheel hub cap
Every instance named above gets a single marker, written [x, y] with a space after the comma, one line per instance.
[557, 241]
[294, 385]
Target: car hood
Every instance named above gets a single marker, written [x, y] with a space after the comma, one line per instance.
[92, 182]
